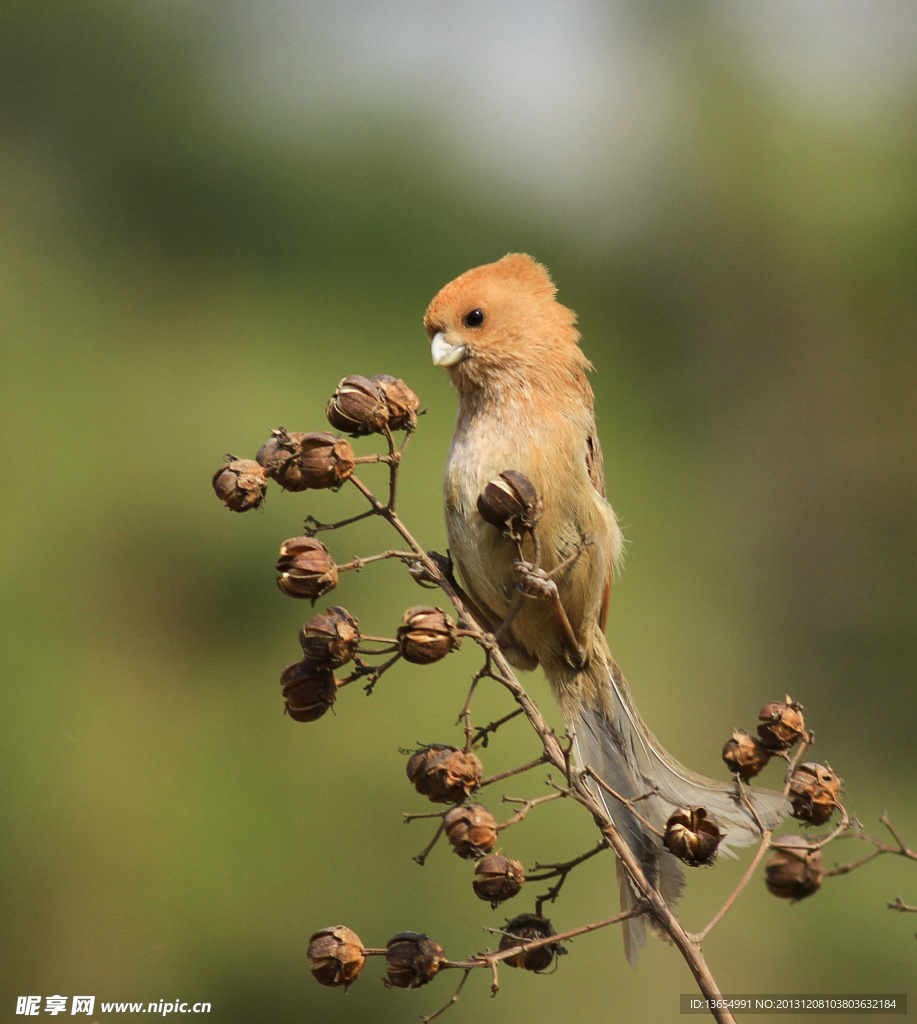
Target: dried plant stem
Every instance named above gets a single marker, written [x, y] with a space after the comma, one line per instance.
[452, 1001]
[513, 771]
[900, 850]
[561, 872]
[557, 756]
[421, 857]
[527, 806]
[746, 878]
[484, 731]
[357, 563]
[488, 959]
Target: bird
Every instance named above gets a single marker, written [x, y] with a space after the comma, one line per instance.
[525, 405]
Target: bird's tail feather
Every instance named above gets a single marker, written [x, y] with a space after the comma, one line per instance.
[613, 740]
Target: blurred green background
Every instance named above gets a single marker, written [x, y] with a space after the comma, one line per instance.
[209, 214]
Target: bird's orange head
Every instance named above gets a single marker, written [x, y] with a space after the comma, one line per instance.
[499, 326]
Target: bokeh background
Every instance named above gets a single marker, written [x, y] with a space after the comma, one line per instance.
[209, 214]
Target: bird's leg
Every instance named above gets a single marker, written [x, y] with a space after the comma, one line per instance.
[537, 583]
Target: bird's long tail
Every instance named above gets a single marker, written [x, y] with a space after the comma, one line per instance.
[613, 740]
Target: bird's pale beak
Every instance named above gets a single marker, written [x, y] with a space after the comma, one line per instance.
[445, 354]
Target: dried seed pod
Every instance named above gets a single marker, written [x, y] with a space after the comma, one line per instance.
[744, 755]
[358, 407]
[426, 635]
[782, 724]
[322, 461]
[511, 503]
[471, 830]
[306, 568]
[278, 450]
[401, 401]
[497, 879]
[336, 956]
[445, 774]
[308, 691]
[526, 928]
[331, 638]
[793, 874]
[240, 485]
[692, 836]
[814, 789]
[412, 960]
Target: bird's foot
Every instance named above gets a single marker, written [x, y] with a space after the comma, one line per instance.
[536, 583]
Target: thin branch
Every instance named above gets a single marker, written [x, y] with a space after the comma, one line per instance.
[421, 857]
[746, 878]
[900, 850]
[527, 806]
[357, 563]
[553, 870]
[484, 731]
[513, 771]
[561, 872]
[312, 526]
[370, 672]
[579, 790]
[488, 959]
[452, 1001]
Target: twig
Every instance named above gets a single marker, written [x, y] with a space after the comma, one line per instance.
[900, 850]
[487, 959]
[527, 806]
[558, 757]
[452, 1001]
[488, 730]
[513, 771]
[357, 563]
[421, 857]
[560, 871]
[312, 526]
[746, 878]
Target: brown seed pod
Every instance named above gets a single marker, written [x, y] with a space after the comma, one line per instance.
[306, 568]
[444, 774]
[497, 879]
[358, 407]
[471, 830]
[322, 461]
[308, 691]
[240, 485]
[744, 755]
[426, 635]
[401, 401]
[782, 724]
[814, 789]
[793, 874]
[511, 503]
[331, 638]
[278, 450]
[336, 956]
[528, 927]
[692, 836]
[412, 960]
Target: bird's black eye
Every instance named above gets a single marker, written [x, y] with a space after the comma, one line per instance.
[474, 319]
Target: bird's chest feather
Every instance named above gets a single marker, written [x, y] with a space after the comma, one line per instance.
[550, 450]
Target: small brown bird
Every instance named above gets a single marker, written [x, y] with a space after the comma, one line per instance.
[525, 404]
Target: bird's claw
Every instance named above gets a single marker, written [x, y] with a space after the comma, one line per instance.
[535, 582]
